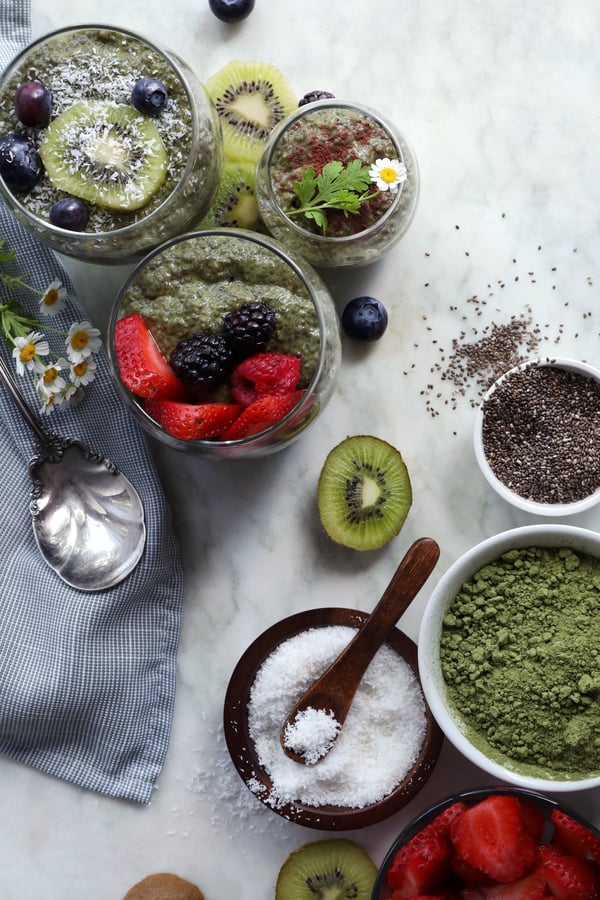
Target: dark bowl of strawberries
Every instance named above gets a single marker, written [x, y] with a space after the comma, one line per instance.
[495, 843]
[223, 344]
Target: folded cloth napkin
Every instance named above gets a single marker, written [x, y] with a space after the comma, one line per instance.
[87, 680]
[15, 28]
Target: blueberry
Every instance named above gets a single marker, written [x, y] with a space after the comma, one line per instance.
[149, 96]
[70, 213]
[364, 319]
[231, 10]
[20, 163]
[33, 104]
[313, 96]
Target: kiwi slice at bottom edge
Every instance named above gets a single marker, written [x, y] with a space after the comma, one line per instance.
[336, 869]
[109, 155]
[235, 204]
[364, 492]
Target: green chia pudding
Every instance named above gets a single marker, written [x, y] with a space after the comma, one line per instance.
[90, 73]
[316, 135]
[189, 287]
[520, 655]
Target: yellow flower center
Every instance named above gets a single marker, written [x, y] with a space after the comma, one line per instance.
[81, 368]
[50, 297]
[388, 175]
[79, 340]
[49, 375]
[27, 352]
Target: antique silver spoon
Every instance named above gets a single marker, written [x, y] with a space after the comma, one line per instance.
[88, 519]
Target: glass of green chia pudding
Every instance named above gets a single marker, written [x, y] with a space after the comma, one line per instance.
[509, 656]
[224, 345]
[109, 145]
[297, 161]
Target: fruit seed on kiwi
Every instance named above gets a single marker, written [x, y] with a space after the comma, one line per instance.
[364, 492]
[251, 98]
[336, 869]
[109, 155]
[235, 204]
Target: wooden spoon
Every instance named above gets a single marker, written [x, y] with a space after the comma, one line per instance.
[332, 694]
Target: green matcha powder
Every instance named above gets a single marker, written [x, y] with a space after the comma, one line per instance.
[520, 653]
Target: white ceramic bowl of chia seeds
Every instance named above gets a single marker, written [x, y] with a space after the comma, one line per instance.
[141, 175]
[537, 436]
[509, 656]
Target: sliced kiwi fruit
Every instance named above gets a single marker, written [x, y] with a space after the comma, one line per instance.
[110, 155]
[364, 492]
[335, 869]
[251, 99]
[235, 203]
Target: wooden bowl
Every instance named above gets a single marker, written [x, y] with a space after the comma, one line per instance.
[243, 753]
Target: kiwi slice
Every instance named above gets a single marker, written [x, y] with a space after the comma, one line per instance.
[110, 155]
[235, 203]
[336, 869]
[251, 99]
[364, 492]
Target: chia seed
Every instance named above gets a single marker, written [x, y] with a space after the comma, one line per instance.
[541, 433]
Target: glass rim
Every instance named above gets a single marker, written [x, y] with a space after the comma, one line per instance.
[85, 237]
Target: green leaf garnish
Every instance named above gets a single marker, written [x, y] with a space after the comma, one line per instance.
[337, 187]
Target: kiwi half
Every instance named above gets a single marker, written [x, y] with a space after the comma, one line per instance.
[336, 869]
[235, 203]
[109, 155]
[251, 99]
[364, 492]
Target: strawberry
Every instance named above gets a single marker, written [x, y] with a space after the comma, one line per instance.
[534, 819]
[142, 367]
[422, 865]
[468, 873]
[568, 877]
[261, 414]
[193, 421]
[530, 887]
[573, 837]
[441, 823]
[491, 836]
[264, 373]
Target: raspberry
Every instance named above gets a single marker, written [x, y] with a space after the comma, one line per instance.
[249, 328]
[203, 360]
[264, 373]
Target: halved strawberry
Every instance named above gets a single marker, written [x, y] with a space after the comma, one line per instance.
[442, 822]
[261, 414]
[568, 877]
[264, 373]
[573, 837]
[491, 836]
[422, 865]
[142, 367]
[530, 887]
[193, 421]
[534, 819]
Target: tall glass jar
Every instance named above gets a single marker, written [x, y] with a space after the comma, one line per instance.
[97, 64]
[336, 130]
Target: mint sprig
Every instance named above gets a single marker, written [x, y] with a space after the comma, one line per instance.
[336, 187]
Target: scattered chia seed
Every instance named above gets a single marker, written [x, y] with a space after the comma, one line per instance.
[541, 434]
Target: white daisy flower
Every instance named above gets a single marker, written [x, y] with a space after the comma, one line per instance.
[49, 402]
[388, 174]
[50, 380]
[27, 348]
[73, 395]
[53, 299]
[83, 372]
[82, 340]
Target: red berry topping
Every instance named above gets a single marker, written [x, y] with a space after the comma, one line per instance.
[261, 415]
[193, 421]
[568, 877]
[573, 837]
[142, 367]
[491, 836]
[422, 865]
[262, 374]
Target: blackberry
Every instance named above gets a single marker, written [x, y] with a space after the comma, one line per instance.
[313, 96]
[249, 328]
[203, 360]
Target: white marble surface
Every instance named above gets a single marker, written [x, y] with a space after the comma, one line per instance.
[499, 100]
